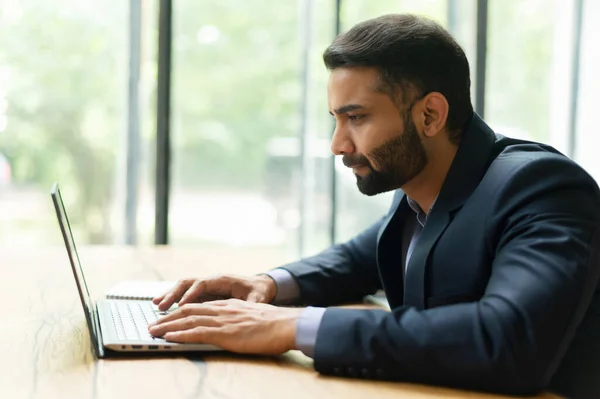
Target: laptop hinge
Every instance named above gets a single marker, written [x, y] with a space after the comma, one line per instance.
[99, 346]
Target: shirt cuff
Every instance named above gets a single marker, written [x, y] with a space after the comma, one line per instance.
[307, 329]
[288, 290]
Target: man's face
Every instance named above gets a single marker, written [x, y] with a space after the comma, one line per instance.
[378, 141]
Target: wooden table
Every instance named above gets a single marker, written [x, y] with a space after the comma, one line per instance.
[45, 345]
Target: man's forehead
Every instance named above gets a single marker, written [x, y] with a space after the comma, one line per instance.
[356, 85]
[359, 78]
[352, 84]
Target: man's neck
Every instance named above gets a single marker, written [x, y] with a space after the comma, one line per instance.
[426, 186]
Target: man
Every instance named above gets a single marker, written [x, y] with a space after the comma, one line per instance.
[489, 255]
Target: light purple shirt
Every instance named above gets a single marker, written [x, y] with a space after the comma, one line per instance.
[309, 322]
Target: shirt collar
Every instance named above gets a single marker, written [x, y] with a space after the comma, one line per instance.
[421, 216]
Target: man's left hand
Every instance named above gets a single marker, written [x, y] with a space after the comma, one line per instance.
[233, 325]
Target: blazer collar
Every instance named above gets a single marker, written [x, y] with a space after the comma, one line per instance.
[468, 167]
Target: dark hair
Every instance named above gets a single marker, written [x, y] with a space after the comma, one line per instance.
[414, 54]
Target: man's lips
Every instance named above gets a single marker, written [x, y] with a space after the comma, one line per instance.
[357, 166]
[354, 165]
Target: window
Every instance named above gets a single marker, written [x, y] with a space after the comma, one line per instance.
[251, 165]
[527, 70]
[588, 140]
[62, 112]
[239, 121]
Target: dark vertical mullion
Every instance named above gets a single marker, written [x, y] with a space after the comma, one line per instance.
[163, 146]
[133, 122]
[576, 58]
[481, 62]
[333, 192]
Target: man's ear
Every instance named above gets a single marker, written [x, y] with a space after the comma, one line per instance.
[435, 110]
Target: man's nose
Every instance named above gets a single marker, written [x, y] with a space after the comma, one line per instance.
[341, 142]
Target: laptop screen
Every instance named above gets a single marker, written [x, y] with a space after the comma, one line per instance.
[84, 294]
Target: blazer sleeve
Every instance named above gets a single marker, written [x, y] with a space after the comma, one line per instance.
[511, 341]
[342, 273]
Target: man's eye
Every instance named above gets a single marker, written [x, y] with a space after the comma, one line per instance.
[354, 117]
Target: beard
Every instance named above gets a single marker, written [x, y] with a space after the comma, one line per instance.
[398, 161]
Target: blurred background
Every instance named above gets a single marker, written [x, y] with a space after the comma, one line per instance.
[91, 92]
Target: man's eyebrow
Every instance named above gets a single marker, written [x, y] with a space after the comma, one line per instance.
[346, 108]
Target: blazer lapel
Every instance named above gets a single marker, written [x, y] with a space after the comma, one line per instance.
[414, 286]
[398, 198]
[467, 169]
[389, 249]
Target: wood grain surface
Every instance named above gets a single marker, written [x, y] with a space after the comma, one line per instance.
[45, 349]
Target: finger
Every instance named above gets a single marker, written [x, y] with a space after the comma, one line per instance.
[209, 298]
[158, 299]
[194, 335]
[185, 323]
[211, 288]
[197, 309]
[255, 296]
[194, 292]
[225, 302]
[175, 294]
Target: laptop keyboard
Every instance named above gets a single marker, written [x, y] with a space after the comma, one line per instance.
[131, 319]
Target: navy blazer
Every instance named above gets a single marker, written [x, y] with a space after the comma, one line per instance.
[498, 289]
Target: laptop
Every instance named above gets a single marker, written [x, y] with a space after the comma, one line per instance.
[115, 325]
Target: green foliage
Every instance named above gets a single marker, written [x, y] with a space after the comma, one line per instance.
[520, 45]
[236, 84]
[64, 97]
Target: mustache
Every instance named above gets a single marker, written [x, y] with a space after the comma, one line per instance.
[357, 160]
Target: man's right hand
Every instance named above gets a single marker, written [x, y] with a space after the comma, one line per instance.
[259, 288]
